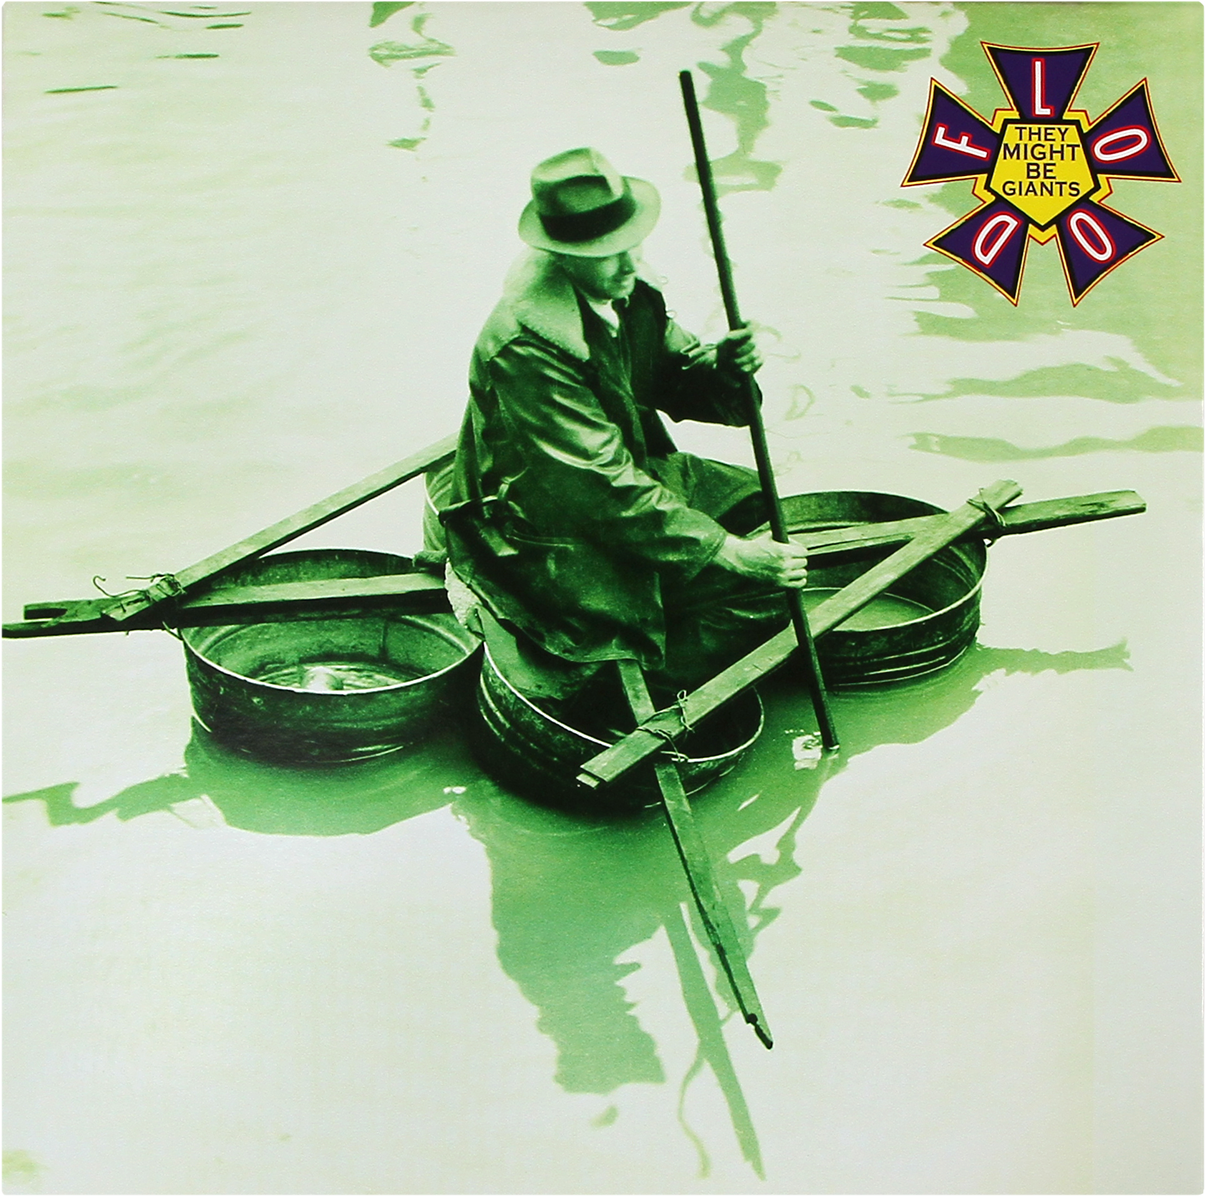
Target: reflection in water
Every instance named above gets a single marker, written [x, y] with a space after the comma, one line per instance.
[883, 39]
[387, 53]
[731, 90]
[622, 15]
[22, 1171]
[573, 895]
[251, 795]
[712, 1050]
[987, 448]
[569, 897]
[384, 9]
[414, 52]
[1118, 382]
[174, 18]
[881, 44]
[734, 94]
[616, 57]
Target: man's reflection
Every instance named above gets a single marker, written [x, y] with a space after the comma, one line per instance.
[571, 895]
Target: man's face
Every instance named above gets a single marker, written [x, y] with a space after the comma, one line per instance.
[603, 278]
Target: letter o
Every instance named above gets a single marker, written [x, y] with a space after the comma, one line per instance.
[988, 253]
[1101, 252]
[1140, 139]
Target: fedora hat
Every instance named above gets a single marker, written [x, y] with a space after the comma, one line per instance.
[581, 206]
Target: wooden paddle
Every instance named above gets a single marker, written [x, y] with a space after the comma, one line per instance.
[123, 610]
[696, 863]
[650, 737]
[757, 427]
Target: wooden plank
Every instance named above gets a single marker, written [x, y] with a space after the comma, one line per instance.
[696, 863]
[1063, 512]
[303, 521]
[327, 598]
[73, 616]
[87, 616]
[241, 604]
[649, 737]
[945, 530]
[326, 592]
[1019, 519]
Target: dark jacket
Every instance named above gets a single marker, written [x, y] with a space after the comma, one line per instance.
[558, 517]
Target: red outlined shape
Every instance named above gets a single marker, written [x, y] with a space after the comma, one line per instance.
[1125, 257]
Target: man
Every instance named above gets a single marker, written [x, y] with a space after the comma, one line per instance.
[581, 531]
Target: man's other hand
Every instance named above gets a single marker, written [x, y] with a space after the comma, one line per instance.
[764, 559]
[737, 354]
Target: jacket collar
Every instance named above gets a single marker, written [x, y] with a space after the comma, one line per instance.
[545, 301]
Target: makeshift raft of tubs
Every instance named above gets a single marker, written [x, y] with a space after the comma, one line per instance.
[333, 689]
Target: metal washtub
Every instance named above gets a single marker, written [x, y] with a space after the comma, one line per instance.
[539, 755]
[924, 622]
[331, 689]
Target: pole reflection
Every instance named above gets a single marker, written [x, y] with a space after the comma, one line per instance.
[572, 895]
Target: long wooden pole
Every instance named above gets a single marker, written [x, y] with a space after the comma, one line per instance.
[757, 427]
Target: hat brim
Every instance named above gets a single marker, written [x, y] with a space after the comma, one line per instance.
[627, 236]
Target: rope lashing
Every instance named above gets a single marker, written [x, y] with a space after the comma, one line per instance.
[668, 737]
[995, 521]
[671, 748]
[680, 706]
[163, 586]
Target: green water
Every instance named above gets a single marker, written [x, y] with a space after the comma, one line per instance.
[332, 675]
[887, 610]
[248, 249]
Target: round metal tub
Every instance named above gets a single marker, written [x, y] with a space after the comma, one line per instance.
[540, 756]
[329, 689]
[924, 622]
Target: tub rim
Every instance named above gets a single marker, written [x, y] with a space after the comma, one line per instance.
[331, 693]
[738, 750]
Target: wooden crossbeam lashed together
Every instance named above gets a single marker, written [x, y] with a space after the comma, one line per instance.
[648, 739]
[248, 604]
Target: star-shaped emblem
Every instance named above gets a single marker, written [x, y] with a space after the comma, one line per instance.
[1041, 168]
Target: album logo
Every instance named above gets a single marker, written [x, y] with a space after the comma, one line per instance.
[1041, 168]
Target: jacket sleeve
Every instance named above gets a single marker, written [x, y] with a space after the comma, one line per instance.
[578, 478]
[692, 387]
